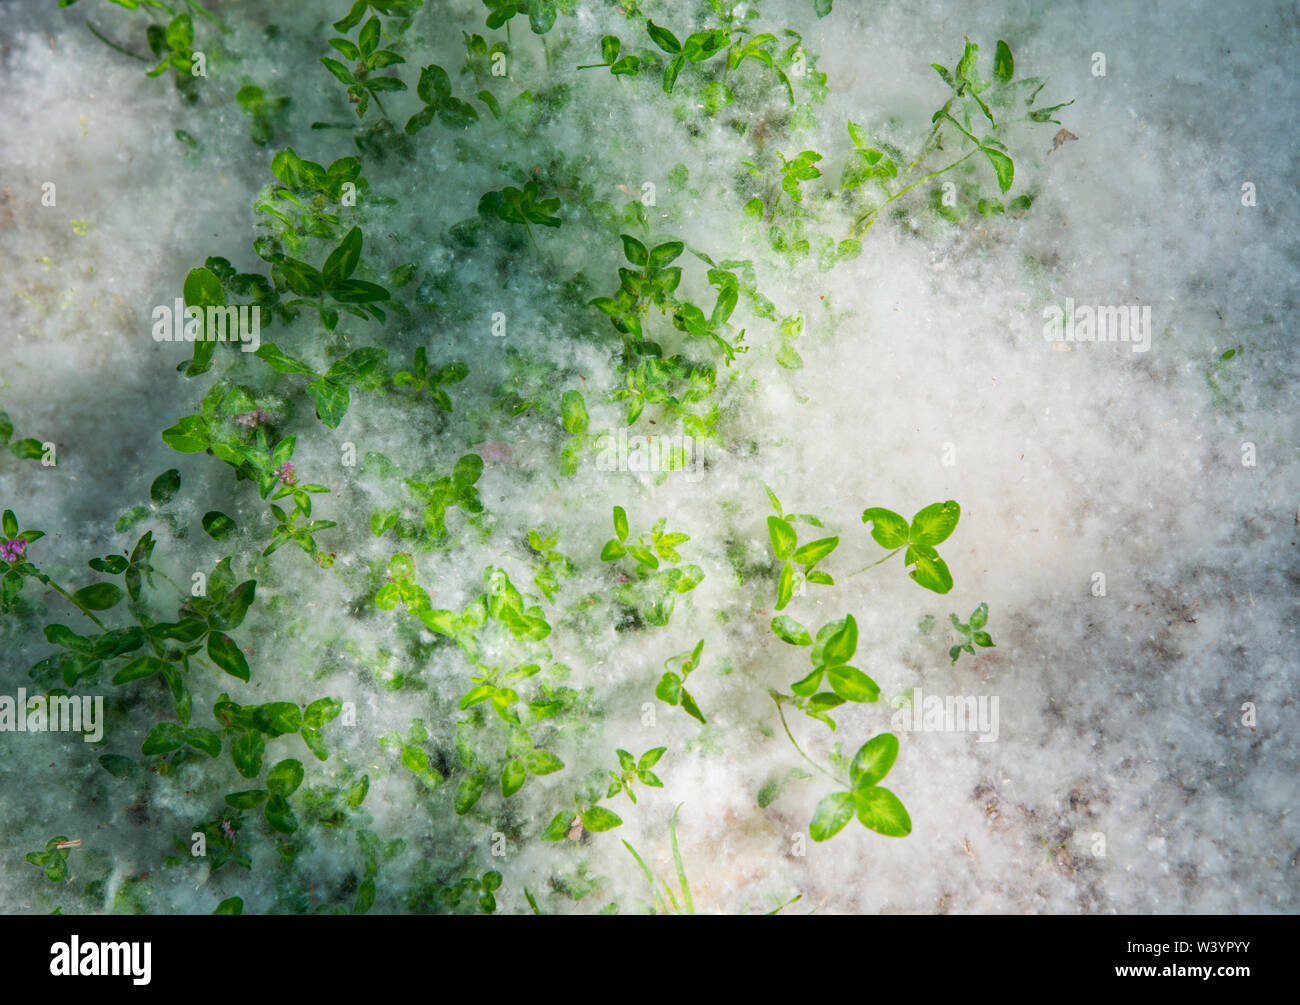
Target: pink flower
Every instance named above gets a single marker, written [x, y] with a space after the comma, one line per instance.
[286, 474]
[253, 419]
[13, 551]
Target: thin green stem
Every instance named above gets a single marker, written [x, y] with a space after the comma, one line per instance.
[781, 712]
[872, 212]
[113, 45]
[73, 600]
[876, 563]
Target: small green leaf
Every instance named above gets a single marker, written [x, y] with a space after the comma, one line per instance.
[285, 777]
[881, 811]
[889, 529]
[513, 777]
[1003, 166]
[873, 760]
[813, 552]
[248, 799]
[852, 684]
[163, 738]
[669, 688]
[217, 525]
[620, 523]
[165, 487]
[832, 813]
[789, 630]
[599, 819]
[223, 651]
[783, 537]
[574, 412]
[99, 596]
[935, 523]
[1003, 64]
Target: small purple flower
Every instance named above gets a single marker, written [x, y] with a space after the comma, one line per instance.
[286, 474]
[13, 551]
[251, 420]
[229, 832]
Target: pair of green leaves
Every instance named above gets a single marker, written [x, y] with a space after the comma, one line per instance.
[672, 685]
[627, 66]
[166, 737]
[971, 633]
[930, 526]
[28, 448]
[540, 13]
[876, 807]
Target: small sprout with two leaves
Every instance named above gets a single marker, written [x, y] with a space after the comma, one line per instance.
[930, 526]
[971, 633]
[834, 646]
[610, 47]
[672, 685]
[788, 551]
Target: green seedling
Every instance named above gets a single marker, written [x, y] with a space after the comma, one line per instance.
[973, 98]
[652, 589]
[627, 66]
[930, 526]
[434, 89]
[54, 859]
[788, 551]
[266, 113]
[834, 646]
[420, 377]
[552, 566]
[306, 202]
[672, 685]
[521, 206]
[573, 414]
[970, 633]
[367, 57]
[876, 807]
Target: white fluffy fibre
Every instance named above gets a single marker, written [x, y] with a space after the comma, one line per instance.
[1144, 760]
